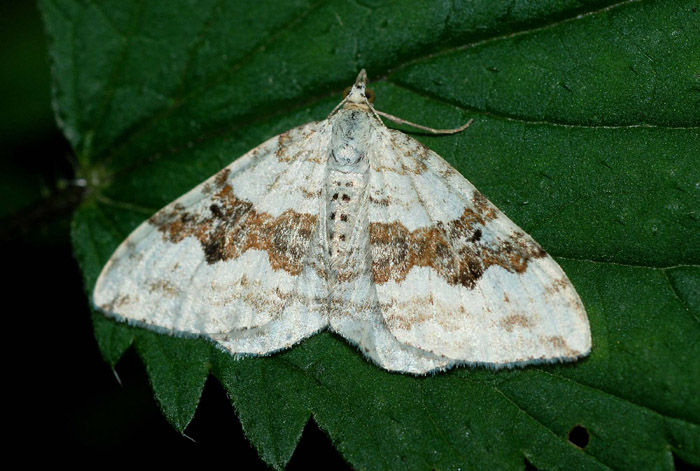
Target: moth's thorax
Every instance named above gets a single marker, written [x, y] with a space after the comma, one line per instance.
[351, 139]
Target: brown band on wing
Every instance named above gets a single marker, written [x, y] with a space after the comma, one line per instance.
[452, 249]
[232, 226]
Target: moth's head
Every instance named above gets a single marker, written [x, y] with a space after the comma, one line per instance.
[359, 93]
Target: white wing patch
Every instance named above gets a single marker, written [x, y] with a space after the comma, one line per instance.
[347, 225]
[459, 279]
[233, 259]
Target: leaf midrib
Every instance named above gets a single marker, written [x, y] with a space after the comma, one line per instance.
[613, 395]
[521, 120]
[178, 101]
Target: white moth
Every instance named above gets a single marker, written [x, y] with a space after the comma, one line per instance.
[346, 225]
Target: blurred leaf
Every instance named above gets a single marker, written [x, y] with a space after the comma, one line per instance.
[586, 134]
[24, 75]
[35, 201]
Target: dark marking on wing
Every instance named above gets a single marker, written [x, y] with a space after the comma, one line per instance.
[449, 248]
[233, 226]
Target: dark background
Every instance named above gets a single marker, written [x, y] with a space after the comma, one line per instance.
[64, 399]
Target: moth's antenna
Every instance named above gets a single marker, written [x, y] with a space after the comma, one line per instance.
[337, 107]
[396, 119]
[361, 80]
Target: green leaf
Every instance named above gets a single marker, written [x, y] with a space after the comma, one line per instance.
[586, 133]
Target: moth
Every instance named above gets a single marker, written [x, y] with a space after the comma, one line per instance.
[346, 225]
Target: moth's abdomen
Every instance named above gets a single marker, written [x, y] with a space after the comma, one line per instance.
[344, 192]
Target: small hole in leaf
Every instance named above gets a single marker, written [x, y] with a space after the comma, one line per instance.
[579, 436]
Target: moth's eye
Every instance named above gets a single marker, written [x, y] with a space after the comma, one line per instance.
[346, 92]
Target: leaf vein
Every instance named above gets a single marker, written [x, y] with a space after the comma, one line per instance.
[438, 429]
[603, 391]
[676, 294]
[371, 428]
[515, 118]
[517, 406]
[148, 123]
[116, 71]
[514, 34]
